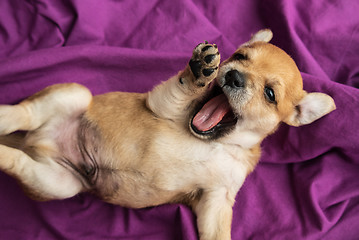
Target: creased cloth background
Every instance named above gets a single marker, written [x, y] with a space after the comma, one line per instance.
[307, 183]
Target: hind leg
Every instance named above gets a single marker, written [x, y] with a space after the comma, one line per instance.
[32, 113]
[41, 176]
[41, 180]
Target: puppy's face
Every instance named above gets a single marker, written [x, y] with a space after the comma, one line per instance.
[258, 87]
[262, 85]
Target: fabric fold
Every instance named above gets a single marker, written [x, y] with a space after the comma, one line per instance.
[306, 184]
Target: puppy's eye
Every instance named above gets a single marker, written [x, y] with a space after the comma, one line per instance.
[239, 56]
[269, 94]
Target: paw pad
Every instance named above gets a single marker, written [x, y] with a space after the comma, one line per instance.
[204, 62]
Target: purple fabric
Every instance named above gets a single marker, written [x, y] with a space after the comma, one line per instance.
[306, 185]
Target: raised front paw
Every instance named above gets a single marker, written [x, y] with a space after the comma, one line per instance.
[204, 63]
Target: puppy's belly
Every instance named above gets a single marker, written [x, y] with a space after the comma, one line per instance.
[76, 148]
[113, 178]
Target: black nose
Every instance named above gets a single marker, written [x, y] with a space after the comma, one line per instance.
[235, 79]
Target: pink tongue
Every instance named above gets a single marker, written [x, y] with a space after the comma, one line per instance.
[211, 113]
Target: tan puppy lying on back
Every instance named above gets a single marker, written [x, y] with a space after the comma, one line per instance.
[189, 140]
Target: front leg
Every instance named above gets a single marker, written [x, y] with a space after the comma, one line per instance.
[173, 98]
[214, 214]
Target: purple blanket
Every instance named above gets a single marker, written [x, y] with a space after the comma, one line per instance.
[306, 185]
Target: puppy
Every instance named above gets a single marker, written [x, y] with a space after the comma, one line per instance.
[189, 140]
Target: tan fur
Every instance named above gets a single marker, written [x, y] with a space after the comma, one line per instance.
[140, 150]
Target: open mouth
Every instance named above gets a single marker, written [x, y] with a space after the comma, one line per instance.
[214, 116]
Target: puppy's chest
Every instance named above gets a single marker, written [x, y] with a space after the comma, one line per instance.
[207, 165]
[228, 164]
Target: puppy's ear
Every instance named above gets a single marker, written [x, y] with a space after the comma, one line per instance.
[312, 107]
[264, 35]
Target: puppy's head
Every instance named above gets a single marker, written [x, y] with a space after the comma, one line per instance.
[258, 87]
